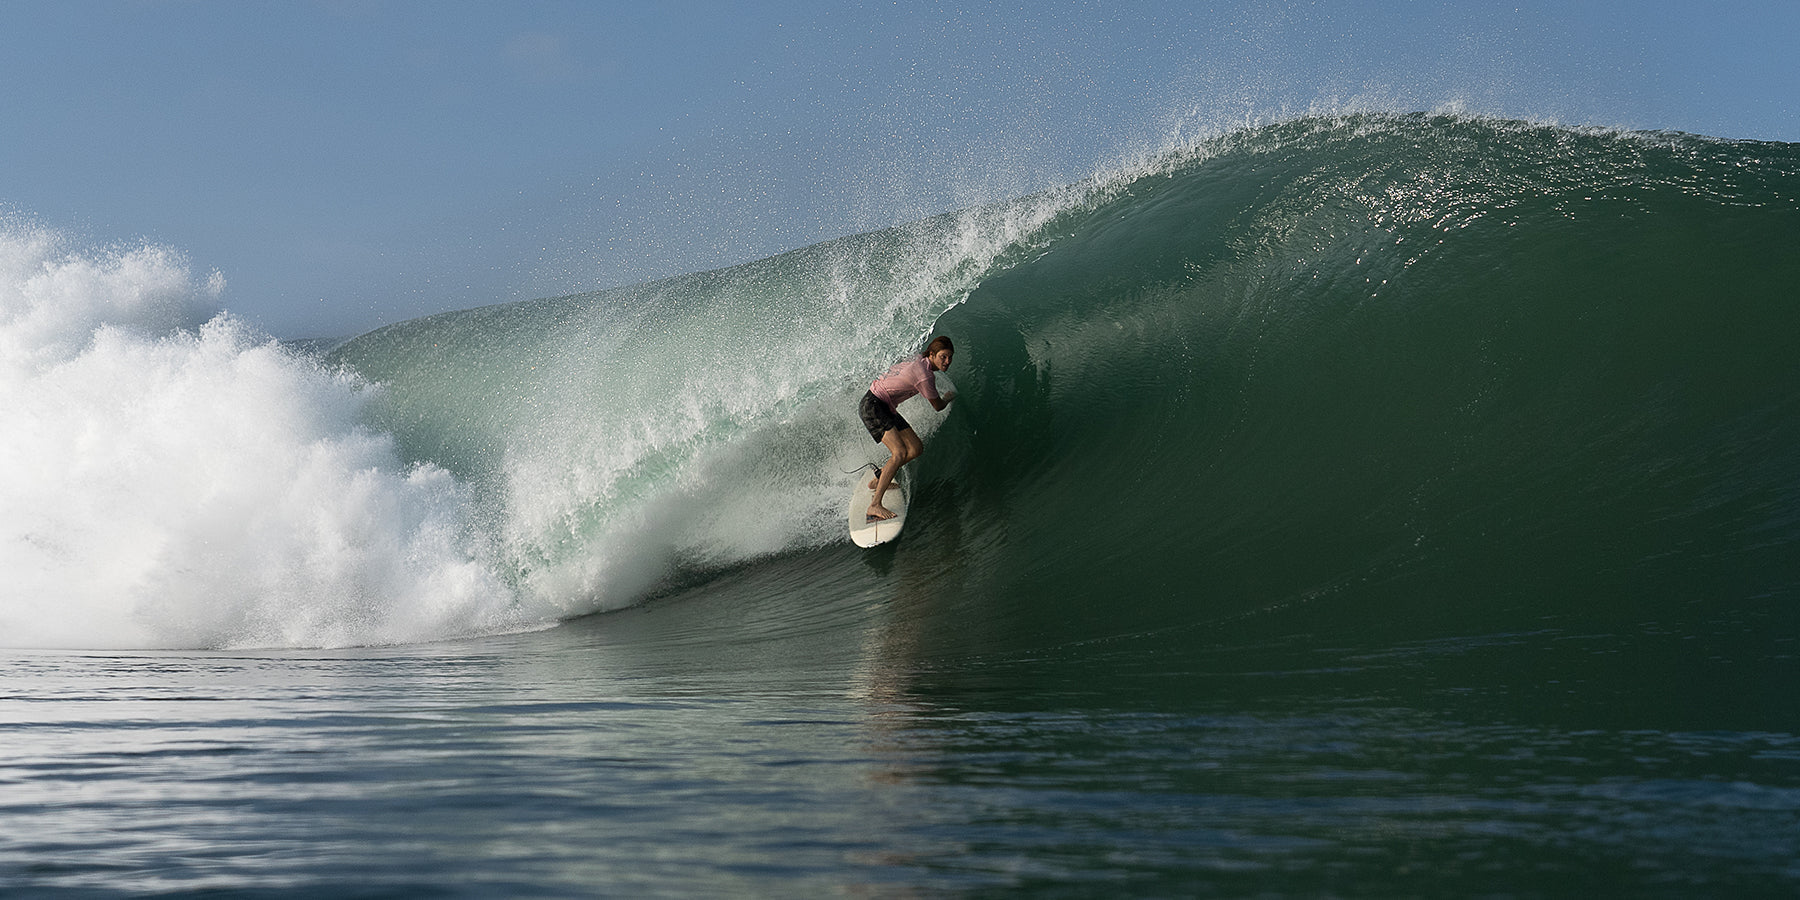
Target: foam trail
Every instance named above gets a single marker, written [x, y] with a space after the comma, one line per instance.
[167, 485]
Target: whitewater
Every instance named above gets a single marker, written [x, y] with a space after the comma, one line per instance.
[173, 479]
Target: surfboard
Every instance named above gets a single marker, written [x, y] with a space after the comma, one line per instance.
[865, 533]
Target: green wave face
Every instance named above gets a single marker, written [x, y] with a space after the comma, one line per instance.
[1435, 370]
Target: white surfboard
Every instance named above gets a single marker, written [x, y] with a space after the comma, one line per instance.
[869, 534]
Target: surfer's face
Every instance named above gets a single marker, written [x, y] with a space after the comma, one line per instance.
[941, 360]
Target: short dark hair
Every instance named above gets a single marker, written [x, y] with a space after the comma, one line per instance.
[941, 342]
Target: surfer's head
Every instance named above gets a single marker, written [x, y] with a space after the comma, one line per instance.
[940, 344]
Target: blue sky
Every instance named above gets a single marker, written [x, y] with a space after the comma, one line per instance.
[347, 163]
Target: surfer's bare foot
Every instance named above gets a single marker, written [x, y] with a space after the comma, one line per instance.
[879, 512]
[874, 482]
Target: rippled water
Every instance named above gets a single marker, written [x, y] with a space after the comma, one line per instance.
[655, 752]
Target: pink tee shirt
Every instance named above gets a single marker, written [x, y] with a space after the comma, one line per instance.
[908, 377]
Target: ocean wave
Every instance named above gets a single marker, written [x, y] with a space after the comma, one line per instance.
[1388, 365]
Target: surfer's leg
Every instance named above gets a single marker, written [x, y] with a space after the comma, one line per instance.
[903, 446]
[913, 449]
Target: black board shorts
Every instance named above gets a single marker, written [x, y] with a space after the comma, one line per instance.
[878, 417]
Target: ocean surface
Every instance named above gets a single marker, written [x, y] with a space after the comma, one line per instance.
[1365, 505]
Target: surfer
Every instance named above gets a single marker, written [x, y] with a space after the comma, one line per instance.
[880, 413]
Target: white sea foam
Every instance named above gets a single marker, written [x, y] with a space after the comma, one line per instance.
[171, 478]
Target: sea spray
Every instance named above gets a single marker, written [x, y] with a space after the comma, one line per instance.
[167, 485]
